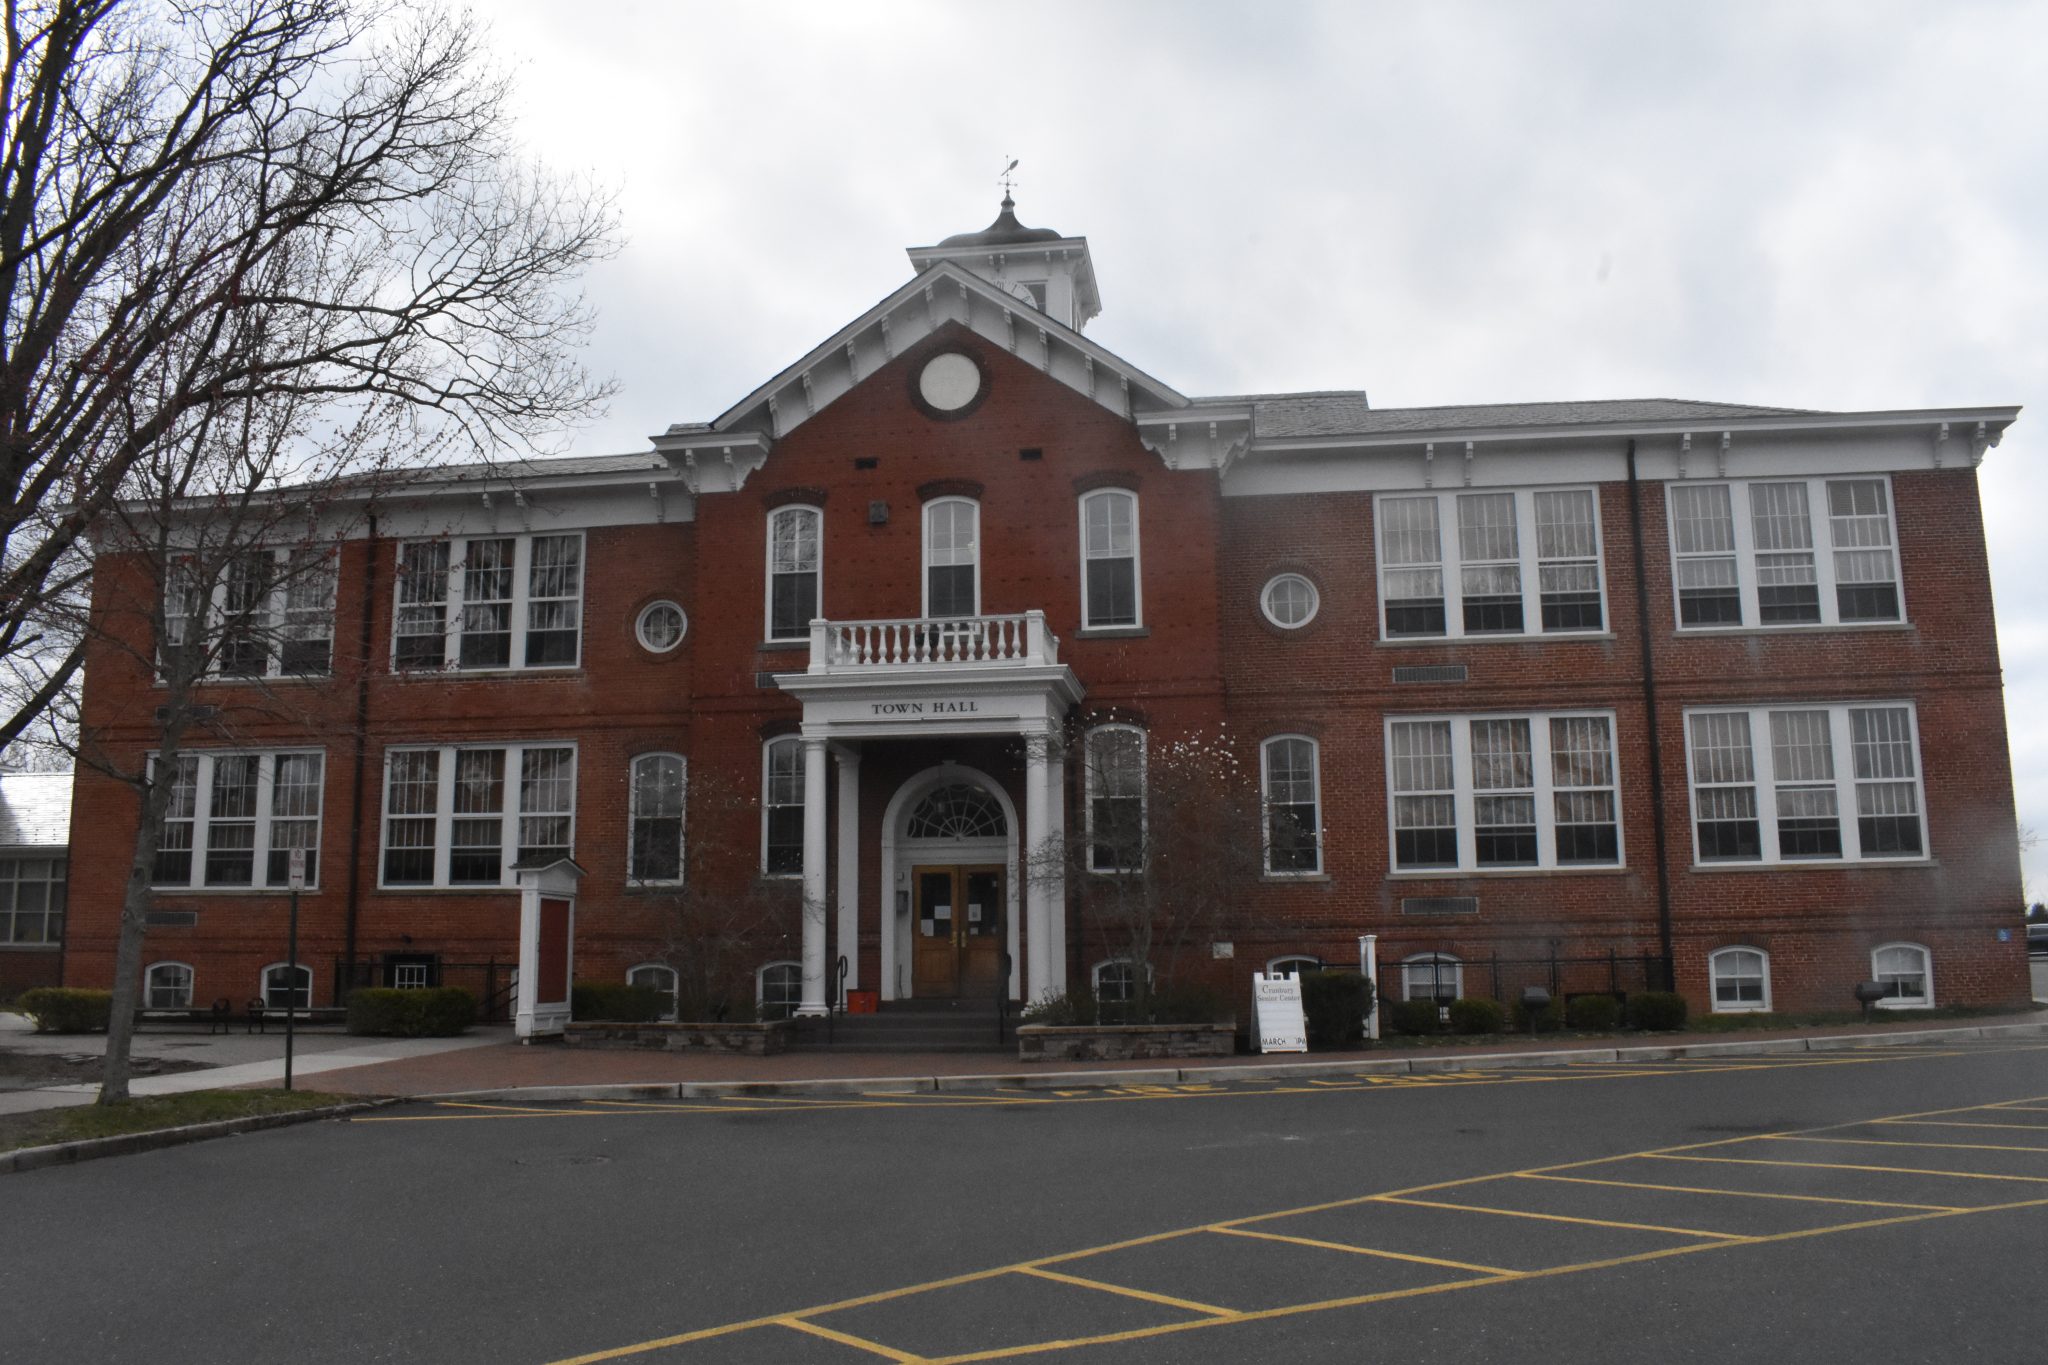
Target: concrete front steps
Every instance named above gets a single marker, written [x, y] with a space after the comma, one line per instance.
[912, 1026]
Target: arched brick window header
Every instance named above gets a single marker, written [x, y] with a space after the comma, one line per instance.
[1105, 478]
[776, 729]
[949, 488]
[784, 497]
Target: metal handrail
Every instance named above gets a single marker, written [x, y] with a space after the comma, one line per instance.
[835, 1003]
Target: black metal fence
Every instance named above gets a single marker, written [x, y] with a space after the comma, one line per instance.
[1446, 975]
[494, 983]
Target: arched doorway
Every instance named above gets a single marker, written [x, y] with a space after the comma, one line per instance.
[949, 870]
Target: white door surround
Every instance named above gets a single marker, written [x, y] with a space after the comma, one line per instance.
[900, 853]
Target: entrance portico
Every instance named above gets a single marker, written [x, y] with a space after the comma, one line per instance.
[872, 682]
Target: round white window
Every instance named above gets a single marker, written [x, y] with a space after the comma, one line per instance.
[661, 626]
[949, 382]
[1289, 601]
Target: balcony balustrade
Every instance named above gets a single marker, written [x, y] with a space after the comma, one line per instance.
[1016, 640]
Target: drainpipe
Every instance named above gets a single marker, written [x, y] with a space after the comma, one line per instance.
[355, 797]
[1657, 827]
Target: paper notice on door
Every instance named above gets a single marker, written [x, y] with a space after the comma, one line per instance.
[942, 911]
[974, 914]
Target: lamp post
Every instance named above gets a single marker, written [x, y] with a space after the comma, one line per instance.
[297, 867]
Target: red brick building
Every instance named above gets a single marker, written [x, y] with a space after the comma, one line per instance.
[1597, 694]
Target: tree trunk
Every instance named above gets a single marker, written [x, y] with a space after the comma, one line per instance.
[135, 905]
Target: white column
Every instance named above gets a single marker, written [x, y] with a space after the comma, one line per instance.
[1056, 890]
[849, 864]
[814, 876]
[1037, 922]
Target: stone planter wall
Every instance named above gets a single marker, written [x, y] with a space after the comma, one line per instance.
[1118, 1042]
[753, 1040]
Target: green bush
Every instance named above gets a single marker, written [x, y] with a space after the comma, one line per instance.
[432, 1012]
[1061, 1008]
[1412, 1016]
[1334, 1005]
[1593, 1013]
[1190, 1003]
[65, 1009]
[1549, 1019]
[1472, 1014]
[1656, 1011]
[616, 1002]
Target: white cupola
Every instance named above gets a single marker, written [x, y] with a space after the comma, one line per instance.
[1051, 273]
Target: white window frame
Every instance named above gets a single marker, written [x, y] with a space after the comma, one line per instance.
[275, 623]
[924, 577]
[1095, 977]
[1315, 755]
[1926, 970]
[634, 816]
[768, 573]
[1464, 795]
[1440, 967]
[1315, 601]
[768, 747]
[761, 985]
[1300, 962]
[1136, 557]
[55, 882]
[522, 602]
[640, 623]
[1714, 960]
[263, 985]
[202, 821]
[1765, 784]
[149, 985]
[445, 815]
[673, 990]
[1091, 784]
[1450, 562]
[1744, 553]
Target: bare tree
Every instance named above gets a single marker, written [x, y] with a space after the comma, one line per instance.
[1161, 854]
[246, 245]
[221, 202]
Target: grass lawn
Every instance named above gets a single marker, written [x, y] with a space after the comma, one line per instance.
[148, 1113]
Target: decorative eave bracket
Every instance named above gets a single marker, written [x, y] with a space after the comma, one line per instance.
[1195, 440]
[714, 461]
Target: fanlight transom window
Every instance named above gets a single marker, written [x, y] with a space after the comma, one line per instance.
[958, 811]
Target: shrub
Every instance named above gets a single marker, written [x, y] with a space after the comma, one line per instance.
[432, 1012]
[1549, 1019]
[1656, 1011]
[65, 1009]
[1472, 1014]
[1334, 1005]
[1061, 1008]
[1412, 1016]
[1593, 1013]
[1190, 1003]
[616, 1002]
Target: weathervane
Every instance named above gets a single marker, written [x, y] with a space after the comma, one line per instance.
[1007, 180]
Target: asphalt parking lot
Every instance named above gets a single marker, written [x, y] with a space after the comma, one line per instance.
[1888, 1203]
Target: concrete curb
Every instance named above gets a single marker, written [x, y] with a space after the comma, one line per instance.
[1261, 1071]
[121, 1144]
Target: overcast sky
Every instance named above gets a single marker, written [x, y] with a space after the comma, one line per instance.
[1812, 205]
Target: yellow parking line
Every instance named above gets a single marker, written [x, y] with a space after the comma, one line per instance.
[1962, 1123]
[1841, 1166]
[1561, 1218]
[1367, 1251]
[1892, 1142]
[845, 1339]
[1743, 1194]
[1103, 1286]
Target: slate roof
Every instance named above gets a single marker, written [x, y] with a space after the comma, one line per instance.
[35, 810]
[1345, 413]
[548, 468]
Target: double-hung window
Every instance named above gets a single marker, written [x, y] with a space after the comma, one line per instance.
[1741, 980]
[782, 807]
[1116, 798]
[1526, 562]
[234, 819]
[1480, 793]
[269, 613]
[1291, 788]
[489, 602]
[795, 558]
[463, 815]
[1788, 784]
[1109, 559]
[31, 901]
[952, 557]
[656, 849]
[1784, 552]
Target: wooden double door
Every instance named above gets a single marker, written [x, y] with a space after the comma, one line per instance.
[960, 933]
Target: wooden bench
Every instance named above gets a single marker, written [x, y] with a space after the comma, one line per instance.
[261, 1016]
[220, 1015]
